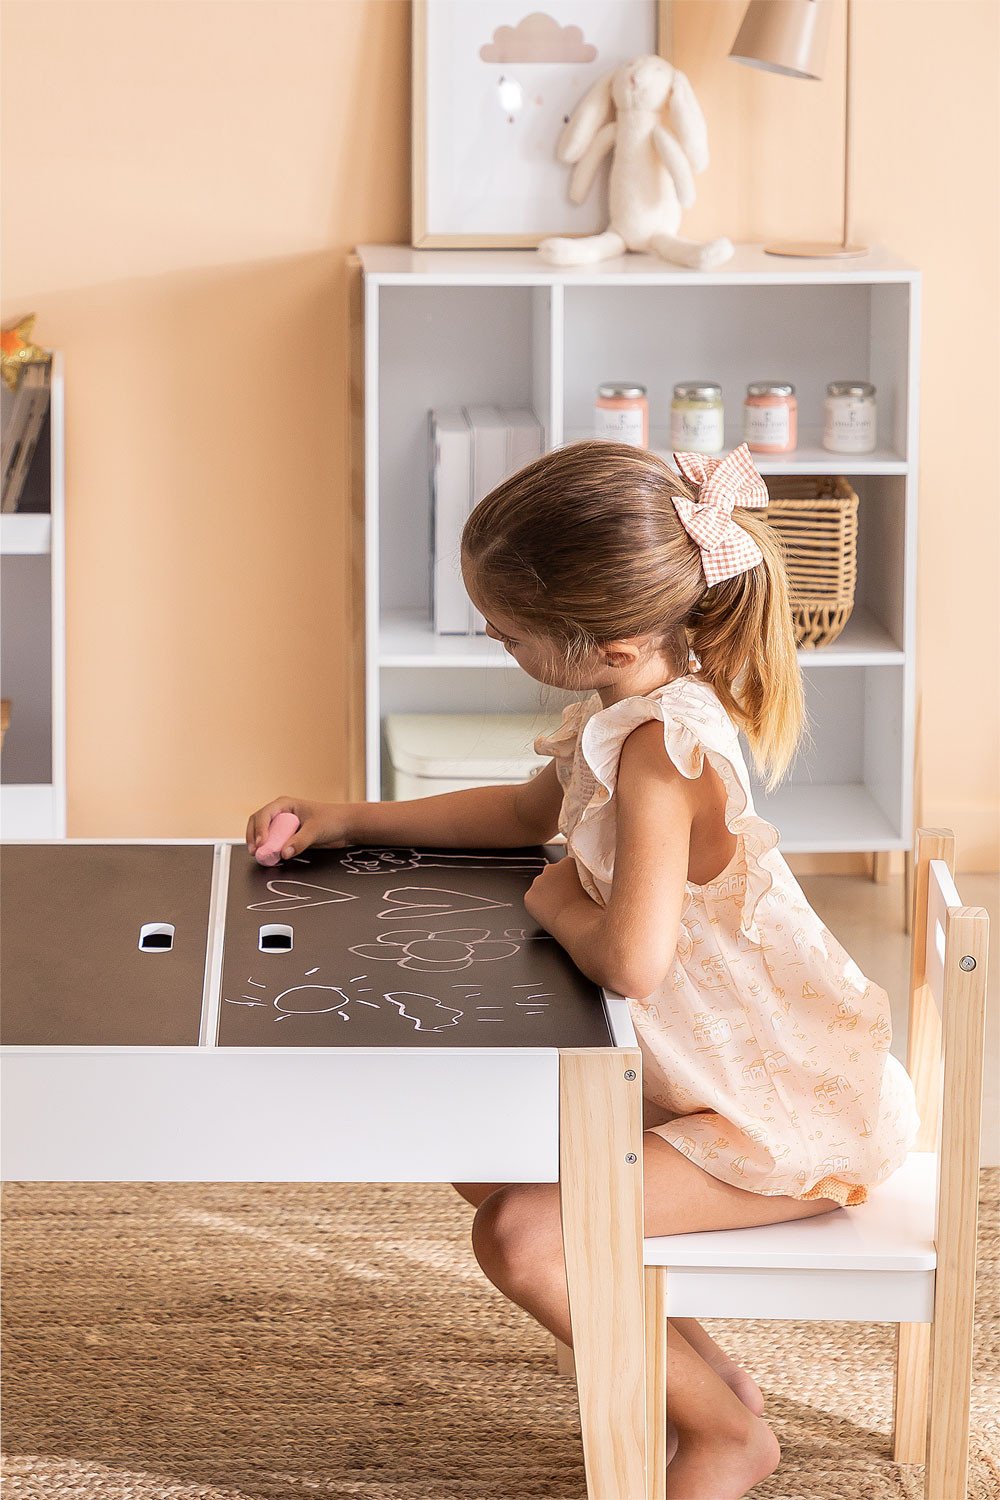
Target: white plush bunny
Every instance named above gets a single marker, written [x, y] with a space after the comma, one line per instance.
[651, 170]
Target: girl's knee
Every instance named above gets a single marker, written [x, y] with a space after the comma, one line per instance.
[476, 1192]
[511, 1233]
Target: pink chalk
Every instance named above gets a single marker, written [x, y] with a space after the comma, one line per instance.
[280, 830]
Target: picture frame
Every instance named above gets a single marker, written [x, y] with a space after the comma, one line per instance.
[493, 82]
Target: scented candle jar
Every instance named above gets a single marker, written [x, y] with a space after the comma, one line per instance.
[697, 417]
[849, 417]
[770, 417]
[621, 414]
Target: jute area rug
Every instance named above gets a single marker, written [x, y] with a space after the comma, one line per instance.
[273, 1341]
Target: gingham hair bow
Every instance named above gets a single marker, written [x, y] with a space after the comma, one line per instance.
[722, 484]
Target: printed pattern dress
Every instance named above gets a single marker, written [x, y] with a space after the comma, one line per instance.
[765, 1038]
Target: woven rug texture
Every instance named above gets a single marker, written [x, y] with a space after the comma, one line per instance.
[271, 1341]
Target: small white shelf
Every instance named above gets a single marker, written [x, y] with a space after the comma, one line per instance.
[407, 639]
[834, 817]
[504, 327]
[809, 457]
[22, 535]
[401, 265]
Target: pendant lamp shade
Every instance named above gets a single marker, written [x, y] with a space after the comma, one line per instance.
[784, 36]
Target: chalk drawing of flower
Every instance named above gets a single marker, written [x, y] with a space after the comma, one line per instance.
[443, 952]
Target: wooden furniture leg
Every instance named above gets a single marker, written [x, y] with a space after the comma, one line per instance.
[913, 1368]
[565, 1363]
[600, 1179]
[964, 1024]
[909, 855]
[908, 890]
[656, 1382]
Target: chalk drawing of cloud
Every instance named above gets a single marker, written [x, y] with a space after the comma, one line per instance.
[538, 39]
[425, 1011]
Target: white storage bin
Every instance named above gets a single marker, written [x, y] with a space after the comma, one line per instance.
[431, 753]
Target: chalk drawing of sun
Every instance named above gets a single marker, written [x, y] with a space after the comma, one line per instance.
[309, 999]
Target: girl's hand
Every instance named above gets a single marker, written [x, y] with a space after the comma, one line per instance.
[321, 824]
[555, 888]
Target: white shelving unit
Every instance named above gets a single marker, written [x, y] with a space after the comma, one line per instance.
[33, 644]
[447, 327]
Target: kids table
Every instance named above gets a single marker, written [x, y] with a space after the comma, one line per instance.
[173, 1012]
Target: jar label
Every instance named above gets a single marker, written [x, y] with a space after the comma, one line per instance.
[696, 429]
[623, 424]
[849, 425]
[767, 424]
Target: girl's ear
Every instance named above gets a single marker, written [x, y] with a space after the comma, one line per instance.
[620, 654]
[594, 110]
[688, 122]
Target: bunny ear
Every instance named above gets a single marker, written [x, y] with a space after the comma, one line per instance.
[688, 122]
[593, 111]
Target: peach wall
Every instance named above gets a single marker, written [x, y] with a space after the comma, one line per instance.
[178, 213]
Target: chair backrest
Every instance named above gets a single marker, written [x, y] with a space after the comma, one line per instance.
[946, 1043]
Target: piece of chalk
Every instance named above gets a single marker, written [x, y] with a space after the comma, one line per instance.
[280, 830]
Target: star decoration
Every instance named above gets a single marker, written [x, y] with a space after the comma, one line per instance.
[17, 350]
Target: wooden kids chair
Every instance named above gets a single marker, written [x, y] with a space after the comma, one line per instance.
[906, 1256]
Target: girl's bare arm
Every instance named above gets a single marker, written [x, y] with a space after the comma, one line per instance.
[526, 812]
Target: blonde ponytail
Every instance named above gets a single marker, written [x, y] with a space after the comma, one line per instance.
[741, 632]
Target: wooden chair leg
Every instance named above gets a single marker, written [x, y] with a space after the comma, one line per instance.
[964, 1023]
[655, 1278]
[908, 890]
[565, 1362]
[913, 1358]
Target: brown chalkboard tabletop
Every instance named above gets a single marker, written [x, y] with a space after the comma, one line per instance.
[71, 969]
[398, 947]
[123, 943]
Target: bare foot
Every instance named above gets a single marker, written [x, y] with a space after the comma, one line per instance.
[714, 1466]
[740, 1382]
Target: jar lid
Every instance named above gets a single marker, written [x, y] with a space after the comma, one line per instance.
[850, 388]
[698, 390]
[621, 388]
[770, 388]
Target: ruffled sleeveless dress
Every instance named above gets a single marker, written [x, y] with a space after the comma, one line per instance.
[765, 1040]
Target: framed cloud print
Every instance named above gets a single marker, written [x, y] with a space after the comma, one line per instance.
[493, 84]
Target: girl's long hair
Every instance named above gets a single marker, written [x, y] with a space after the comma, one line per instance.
[584, 547]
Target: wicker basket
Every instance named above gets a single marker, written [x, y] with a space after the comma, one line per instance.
[817, 521]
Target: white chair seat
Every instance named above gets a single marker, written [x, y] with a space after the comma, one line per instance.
[801, 1269]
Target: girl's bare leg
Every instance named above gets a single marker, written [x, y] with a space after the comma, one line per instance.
[722, 1449]
[740, 1381]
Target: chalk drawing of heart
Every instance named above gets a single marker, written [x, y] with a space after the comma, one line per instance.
[287, 899]
[417, 901]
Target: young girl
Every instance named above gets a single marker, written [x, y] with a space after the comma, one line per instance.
[770, 1092]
